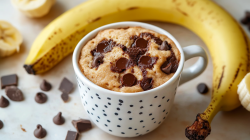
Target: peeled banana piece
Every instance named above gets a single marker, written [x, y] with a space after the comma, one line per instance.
[33, 8]
[244, 92]
[10, 39]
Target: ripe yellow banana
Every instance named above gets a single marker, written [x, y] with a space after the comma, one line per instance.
[227, 42]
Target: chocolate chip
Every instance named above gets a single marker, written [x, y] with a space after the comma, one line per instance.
[45, 86]
[58, 119]
[40, 98]
[98, 60]
[167, 68]
[1, 124]
[202, 88]
[101, 46]
[157, 40]
[135, 53]
[65, 97]
[40, 132]
[82, 125]
[146, 61]
[128, 80]
[146, 83]
[4, 102]
[8, 80]
[244, 20]
[71, 135]
[122, 63]
[14, 93]
[165, 46]
[141, 43]
[66, 86]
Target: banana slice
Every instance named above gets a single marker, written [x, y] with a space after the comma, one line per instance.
[33, 8]
[10, 39]
[244, 92]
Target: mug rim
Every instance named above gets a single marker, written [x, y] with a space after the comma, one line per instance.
[90, 35]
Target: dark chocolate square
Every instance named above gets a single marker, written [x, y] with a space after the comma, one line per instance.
[8, 80]
[66, 86]
[71, 135]
[82, 125]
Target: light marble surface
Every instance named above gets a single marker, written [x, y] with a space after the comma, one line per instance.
[234, 125]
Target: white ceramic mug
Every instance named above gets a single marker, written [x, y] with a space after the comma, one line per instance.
[134, 114]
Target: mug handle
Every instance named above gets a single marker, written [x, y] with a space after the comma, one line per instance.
[198, 67]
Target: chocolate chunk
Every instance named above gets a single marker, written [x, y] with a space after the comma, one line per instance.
[65, 97]
[9, 80]
[121, 65]
[71, 135]
[14, 93]
[40, 98]
[45, 86]
[147, 61]
[202, 88]
[128, 80]
[58, 119]
[135, 53]
[82, 125]
[98, 60]
[167, 68]
[174, 64]
[157, 40]
[101, 46]
[66, 86]
[1, 124]
[165, 46]
[40, 132]
[141, 43]
[146, 83]
[4, 102]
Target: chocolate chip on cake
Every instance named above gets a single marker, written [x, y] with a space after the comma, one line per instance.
[121, 65]
[45, 86]
[167, 69]
[1, 124]
[40, 132]
[41, 98]
[98, 60]
[71, 135]
[101, 46]
[141, 43]
[146, 83]
[4, 102]
[165, 46]
[65, 97]
[66, 86]
[157, 40]
[146, 61]
[59, 119]
[128, 80]
[202, 88]
[170, 62]
[8, 80]
[82, 125]
[14, 93]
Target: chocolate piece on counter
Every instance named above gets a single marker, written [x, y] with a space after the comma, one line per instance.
[157, 40]
[58, 119]
[40, 132]
[14, 93]
[1, 124]
[147, 61]
[65, 97]
[167, 68]
[146, 83]
[128, 80]
[8, 80]
[71, 135]
[98, 60]
[41, 98]
[66, 86]
[101, 46]
[202, 88]
[4, 102]
[82, 125]
[141, 43]
[45, 86]
[165, 46]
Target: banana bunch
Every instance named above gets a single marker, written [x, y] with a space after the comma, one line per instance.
[227, 42]
[10, 39]
[33, 8]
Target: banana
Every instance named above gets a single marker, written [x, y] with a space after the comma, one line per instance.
[33, 8]
[10, 39]
[243, 92]
[227, 42]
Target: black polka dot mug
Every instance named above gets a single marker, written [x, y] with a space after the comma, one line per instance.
[134, 114]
